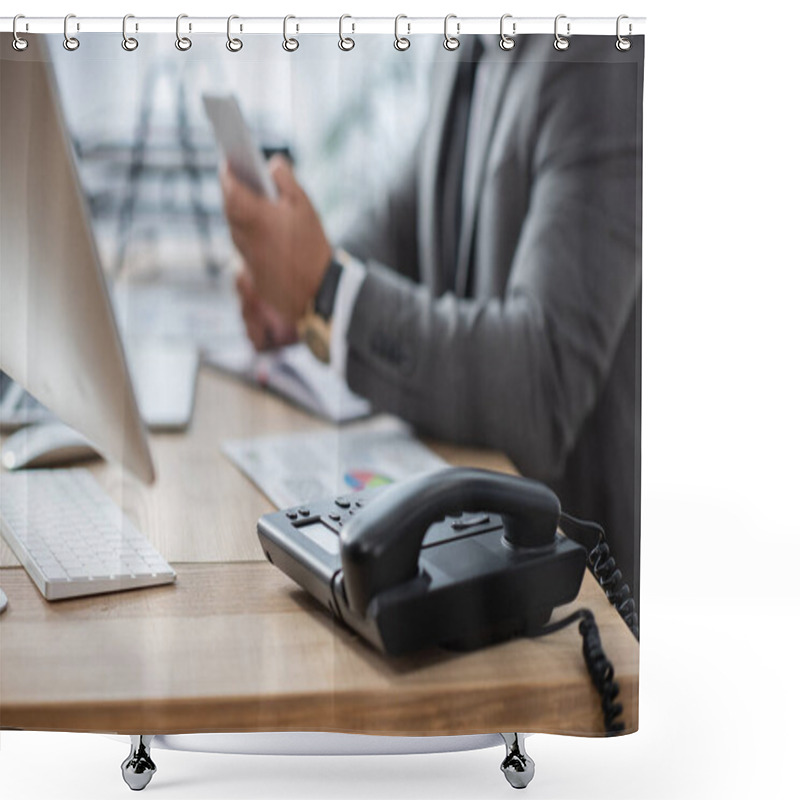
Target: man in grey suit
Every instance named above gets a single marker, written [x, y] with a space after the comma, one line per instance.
[494, 299]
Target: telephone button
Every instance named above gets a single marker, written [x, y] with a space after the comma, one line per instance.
[303, 512]
[342, 502]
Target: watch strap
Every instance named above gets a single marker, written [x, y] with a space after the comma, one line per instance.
[326, 294]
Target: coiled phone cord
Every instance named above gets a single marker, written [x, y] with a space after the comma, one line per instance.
[601, 670]
[610, 578]
[605, 569]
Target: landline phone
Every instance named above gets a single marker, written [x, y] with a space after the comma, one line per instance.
[460, 558]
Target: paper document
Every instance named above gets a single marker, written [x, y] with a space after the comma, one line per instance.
[297, 468]
[182, 308]
[293, 373]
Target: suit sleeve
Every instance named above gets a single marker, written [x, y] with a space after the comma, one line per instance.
[521, 372]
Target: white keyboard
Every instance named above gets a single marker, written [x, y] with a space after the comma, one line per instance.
[72, 539]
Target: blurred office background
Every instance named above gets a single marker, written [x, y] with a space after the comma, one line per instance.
[148, 161]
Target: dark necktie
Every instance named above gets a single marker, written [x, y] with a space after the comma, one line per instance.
[454, 149]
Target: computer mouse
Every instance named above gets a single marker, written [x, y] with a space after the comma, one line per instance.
[45, 444]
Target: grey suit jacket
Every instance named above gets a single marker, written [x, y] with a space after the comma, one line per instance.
[537, 351]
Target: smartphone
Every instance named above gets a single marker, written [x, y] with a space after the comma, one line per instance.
[237, 145]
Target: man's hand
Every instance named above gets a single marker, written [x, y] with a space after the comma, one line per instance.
[283, 244]
[266, 328]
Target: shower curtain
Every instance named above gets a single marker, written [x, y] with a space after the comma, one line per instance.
[438, 264]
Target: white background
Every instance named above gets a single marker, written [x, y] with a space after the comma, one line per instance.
[719, 690]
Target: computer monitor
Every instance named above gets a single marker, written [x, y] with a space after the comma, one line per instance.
[58, 334]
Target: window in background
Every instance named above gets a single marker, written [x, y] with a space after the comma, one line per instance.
[148, 160]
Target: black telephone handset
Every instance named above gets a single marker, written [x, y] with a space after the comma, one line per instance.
[380, 547]
[458, 558]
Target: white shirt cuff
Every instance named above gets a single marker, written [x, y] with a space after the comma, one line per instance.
[353, 274]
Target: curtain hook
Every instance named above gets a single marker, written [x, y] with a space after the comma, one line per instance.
[451, 42]
[401, 42]
[18, 43]
[233, 44]
[70, 42]
[289, 45]
[345, 42]
[622, 44]
[128, 42]
[507, 42]
[183, 43]
[561, 42]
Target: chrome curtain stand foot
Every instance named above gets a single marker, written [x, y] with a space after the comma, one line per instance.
[138, 768]
[517, 766]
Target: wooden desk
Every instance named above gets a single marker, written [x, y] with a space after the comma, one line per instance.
[236, 646]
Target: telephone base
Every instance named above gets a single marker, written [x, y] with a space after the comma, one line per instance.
[487, 637]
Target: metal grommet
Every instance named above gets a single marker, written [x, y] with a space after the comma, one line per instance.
[507, 42]
[233, 44]
[561, 42]
[70, 42]
[289, 45]
[451, 42]
[345, 42]
[128, 42]
[18, 43]
[401, 42]
[183, 43]
[622, 44]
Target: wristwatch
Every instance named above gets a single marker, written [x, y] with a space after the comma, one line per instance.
[315, 326]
